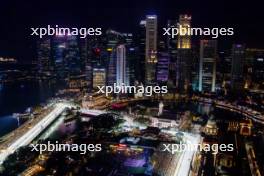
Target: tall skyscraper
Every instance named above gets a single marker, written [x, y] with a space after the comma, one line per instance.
[163, 67]
[207, 69]
[73, 63]
[151, 48]
[172, 50]
[99, 77]
[67, 56]
[184, 58]
[44, 57]
[141, 42]
[87, 63]
[111, 69]
[113, 39]
[238, 57]
[121, 67]
[184, 39]
[58, 50]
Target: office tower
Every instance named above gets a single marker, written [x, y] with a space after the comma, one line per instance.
[66, 55]
[132, 63]
[254, 67]
[58, 50]
[141, 43]
[223, 67]
[207, 69]
[151, 48]
[172, 50]
[111, 70]
[184, 39]
[121, 67]
[85, 45]
[112, 39]
[99, 77]
[72, 64]
[238, 57]
[184, 55]
[132, 58]
[91, 42]
[195, 69]
[44, 57]
[162, 67]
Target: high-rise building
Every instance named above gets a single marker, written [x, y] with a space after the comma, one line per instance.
[223, 68]
[87, 61]
[238, 57]
[121, 66]
[207, 69]
[254, 67]
[132, 63]
[58, 50]
[184, 55]
[44, 57]
[67, 57]
[141, 42]
[113, 39]
[99, 77]
[184, 39]
[151, 48]
[163, 67]
[172, 50]
[111, 69]
[132, 59]
[73, 63]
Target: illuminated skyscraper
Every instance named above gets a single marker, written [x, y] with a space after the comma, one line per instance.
[184, 39]
[85, 47]
[184, 58]
[255, 65]
[172, 50]
[59, 49]
[121, 68]
[99, 77]
[151, 48]
[163, 67]
[72, 64]
[113, 39]
[141, 42]
[44, 57]
[207, 69]
[238, 57]
[67, 57]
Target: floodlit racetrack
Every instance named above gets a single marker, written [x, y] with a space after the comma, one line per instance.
[32, 133]
[183, 167]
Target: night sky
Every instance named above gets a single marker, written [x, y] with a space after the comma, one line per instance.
[17, 17]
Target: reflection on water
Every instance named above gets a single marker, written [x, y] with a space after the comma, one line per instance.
[17, 97]
[7, 124]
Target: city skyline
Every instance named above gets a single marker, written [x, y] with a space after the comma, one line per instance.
[18, 17]
[149, 88]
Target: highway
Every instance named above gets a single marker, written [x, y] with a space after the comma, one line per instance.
[33, 132]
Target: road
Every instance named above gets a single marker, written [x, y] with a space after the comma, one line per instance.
[33, 132]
